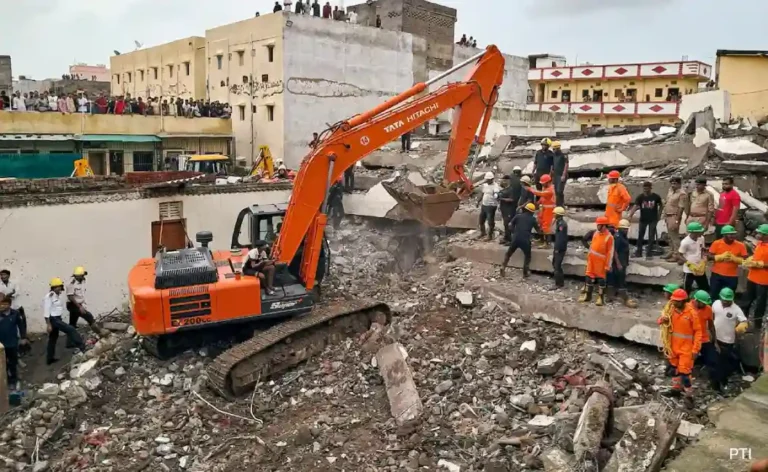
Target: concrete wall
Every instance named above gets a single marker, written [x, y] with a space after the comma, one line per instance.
[57, 123]
[245, 78]
[6, 75]
[534, 123]
[175, 69]
[745, 77]
[120, 235]
[335, 70]
[98, 72]
[719, 100]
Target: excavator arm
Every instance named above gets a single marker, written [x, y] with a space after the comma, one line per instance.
[350, 141]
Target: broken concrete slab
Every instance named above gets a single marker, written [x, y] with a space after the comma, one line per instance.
[589, 432]
[404, 401]
[549, 365]
[465, 298]
[738, 149]
[645, 444]
[612, 368]
[601, 160]
[557, 460]
[760, 167]
[500, 145]
[597, 141]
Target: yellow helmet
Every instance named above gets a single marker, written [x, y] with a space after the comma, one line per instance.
[546, 141]
[624, 224]
[560, 211]
[56, 282]
[79, 270]
[530, 207]
[556, 144]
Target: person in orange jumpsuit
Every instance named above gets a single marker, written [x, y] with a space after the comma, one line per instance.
[599, 261]
[701, 305]
[618, 199]
[757, 280]
[685, 343]
[546, 207]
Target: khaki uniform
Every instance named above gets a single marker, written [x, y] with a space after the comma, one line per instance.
[701, 206]
[674, 202]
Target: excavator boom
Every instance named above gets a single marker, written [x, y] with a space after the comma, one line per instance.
[350, 141]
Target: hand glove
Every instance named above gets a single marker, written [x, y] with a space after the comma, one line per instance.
[723, 257]
[741, 328]
[697, 269]
[737, 259]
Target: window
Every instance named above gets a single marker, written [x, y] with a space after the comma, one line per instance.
[674, 82]
[242, 112]
[631, 83]
[566, 96]
[271, 53]
[241, 58]
[155, 71]
[170, 71]
[219, 61]
[658, 93]
[265, 77]
[117, 77]
[128, 76]
[554, 94]
[618, 93]
[186, 68]
[270, 113]
[143, 161]
[253, 108]
[171, 211]
[141, 75]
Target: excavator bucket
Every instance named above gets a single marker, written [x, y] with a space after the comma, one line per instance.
[433, 205]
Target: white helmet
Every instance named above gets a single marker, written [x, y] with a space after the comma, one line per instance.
[517, 169]
[282, 167]
[253, 254]
[489, 176]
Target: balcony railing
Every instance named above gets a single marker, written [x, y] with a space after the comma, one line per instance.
[681, 69]
[609, 108]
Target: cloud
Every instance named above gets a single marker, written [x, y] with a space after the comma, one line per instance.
[569, 8]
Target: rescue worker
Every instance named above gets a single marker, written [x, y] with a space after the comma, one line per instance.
[728, 207]
[691, 256]
[76, 303]
[543, 161]
[522, 225]
[546, 207]
[11, 291]
[701, 205]
[258, 264]
[728, 254]
[561, 246]
[700, 306]
[669, 289]
[508, 204]
[757, 279]
[599, 261]
[620, 263]
[336, 203]
[685, 335]
[559, 172]
[618, 199]
[525, 197]
[674, 206]
[488, 205]
[54, 304]
[729, 321]
[13, 334]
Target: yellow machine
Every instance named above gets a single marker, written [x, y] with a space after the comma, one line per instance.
[82, 169]
[206, 163]
[264, 166]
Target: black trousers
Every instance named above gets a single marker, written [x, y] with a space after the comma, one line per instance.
[23, 350]
[336, 212]
[651, 228]
[618, 278]
[487, 214]
[524, 246]
[718, 282]
[57, 325]
[757, 294]
[405, 141]
[559, 190]
[727, 363]
[506, 218]
[701, 282]
[75, 314]
[12, 364]
[557, 266]
[349, 179]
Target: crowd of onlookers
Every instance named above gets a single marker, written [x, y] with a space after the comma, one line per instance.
[319, 11]
[113, 105]
[471, 42]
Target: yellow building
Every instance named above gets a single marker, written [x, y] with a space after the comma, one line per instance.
[744, 74]
[614, 95]
[175, 69]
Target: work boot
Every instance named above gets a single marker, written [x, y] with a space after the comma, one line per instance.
[672, 393]
[586, 294]
[638, 253]
[628, 302]
[600, 301]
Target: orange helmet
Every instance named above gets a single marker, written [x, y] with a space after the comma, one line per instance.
[545, 179]
[601, 220]
[614, 174]
[679, 295]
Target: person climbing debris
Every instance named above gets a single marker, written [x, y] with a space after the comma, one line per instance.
[681, 340]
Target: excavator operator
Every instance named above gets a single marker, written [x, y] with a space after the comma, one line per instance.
[258, 264]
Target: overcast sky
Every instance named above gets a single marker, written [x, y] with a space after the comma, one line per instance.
[45, 36]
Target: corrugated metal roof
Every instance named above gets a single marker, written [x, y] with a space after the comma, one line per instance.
[120, 138]
[37, 137]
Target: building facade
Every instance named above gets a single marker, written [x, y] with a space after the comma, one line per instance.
[617, 94]
[6, 75]
[744, 75]
[98, 73]
[171, 70]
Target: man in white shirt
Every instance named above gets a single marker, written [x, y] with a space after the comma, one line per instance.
[53, 102]
[82, 104]
[76, 301]
[729, 321]
[18, 102]
[54, 305]
[691, 256]
[488, 205]
[11, 291]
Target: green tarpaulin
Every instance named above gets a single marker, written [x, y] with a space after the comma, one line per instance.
[37, 166]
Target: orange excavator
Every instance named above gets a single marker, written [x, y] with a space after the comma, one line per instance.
[179, 294]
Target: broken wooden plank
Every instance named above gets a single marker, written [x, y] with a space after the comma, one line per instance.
[404, 401]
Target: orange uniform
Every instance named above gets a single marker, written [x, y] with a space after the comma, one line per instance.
[687, 334]
[547, 207]
[759, 275]
[600, 255]
[727, 268]
[705, 316]
[618, 201]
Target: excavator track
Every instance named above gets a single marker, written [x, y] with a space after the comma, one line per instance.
[235, 371]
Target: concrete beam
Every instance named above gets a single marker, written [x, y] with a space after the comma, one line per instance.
[404, 400]
[739, 149]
